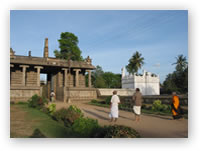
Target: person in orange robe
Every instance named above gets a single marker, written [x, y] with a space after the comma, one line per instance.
[176, 113]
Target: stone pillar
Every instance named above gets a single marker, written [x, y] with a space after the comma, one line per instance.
[65, 76]
[46, 49]
[23, 74]
[89, 78]
[77, 77]
[38, 74]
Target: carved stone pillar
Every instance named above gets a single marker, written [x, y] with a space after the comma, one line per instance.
[65, 76]
[38, 74]
[89, 78]
[23, 74]
[77, 77]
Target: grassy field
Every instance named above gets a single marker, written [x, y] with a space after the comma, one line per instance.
[24, 120]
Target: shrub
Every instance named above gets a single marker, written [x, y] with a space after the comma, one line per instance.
[85, 127]
[51, 109]
[117, 131]
[158, 106]
[75, 109]
[94, 101]
[37, 102]
[108, 99]
[37, 134]
[20, 102]
[67, 116]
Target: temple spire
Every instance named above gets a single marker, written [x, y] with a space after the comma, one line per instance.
[46, 48]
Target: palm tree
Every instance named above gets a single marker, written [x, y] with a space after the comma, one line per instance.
[181, 63]
[135, 63]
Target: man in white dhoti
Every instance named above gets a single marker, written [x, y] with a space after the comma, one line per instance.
[114, 113]
[137, 98]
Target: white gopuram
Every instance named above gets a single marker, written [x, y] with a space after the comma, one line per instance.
[148, 83]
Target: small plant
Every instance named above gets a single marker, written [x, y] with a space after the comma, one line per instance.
[94, 101]
[117, 131]
[73, 108]
[37, 102]
[67, 116]
[85, 127]
[159, 107]
[52, 109]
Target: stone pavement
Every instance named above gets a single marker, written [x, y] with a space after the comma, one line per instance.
[150, 126]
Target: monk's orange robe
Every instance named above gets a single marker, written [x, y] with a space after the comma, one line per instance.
[176, 105]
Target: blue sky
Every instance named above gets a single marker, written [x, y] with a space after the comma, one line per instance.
[109, 37]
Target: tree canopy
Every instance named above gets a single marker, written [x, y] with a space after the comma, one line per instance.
[68, 44]
[135, 63]
[178, 80]
[101, 79]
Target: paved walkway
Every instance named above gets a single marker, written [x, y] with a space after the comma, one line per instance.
[150, 126]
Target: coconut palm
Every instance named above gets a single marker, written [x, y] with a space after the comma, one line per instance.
[135, 63]
[181, 63]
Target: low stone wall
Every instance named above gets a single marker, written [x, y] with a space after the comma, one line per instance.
[80, 94]
[109, 92]
[165, 99]
[21, 93]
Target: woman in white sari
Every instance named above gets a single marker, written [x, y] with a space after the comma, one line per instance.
[114, 113]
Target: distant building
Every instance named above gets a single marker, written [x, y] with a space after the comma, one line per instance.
[148, 83]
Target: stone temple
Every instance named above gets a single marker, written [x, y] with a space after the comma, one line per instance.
[65, 78]
[148, 83]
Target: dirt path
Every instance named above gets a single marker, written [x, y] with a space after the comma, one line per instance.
[150, 125]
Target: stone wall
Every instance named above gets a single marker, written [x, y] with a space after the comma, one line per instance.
[16, 78]
[23, 93]
[109, 92]
[165, 99]
[81, 94]
[31, 78]
[59, 94]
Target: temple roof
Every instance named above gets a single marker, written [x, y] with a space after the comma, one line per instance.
[53, 62]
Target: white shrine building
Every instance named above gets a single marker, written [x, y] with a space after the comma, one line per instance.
[148, 83]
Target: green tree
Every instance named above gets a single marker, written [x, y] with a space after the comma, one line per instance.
[68, 44]
[181, 63]
[178, 80]
[135, 63]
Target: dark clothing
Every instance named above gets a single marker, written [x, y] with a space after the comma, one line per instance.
[137, 97]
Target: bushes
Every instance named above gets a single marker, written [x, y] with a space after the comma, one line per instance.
[67, 116]
[108, 99]
[37, 102]
[117, 131]
[159, 107]
[85, 127]
[51, 109]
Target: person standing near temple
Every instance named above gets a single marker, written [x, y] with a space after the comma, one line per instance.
[137, 99]
[176, 110]
[114, 112]
[52, 96]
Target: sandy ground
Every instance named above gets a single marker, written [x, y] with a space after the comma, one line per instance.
[150, 126]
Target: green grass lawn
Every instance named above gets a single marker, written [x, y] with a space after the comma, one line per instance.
[25, 120]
